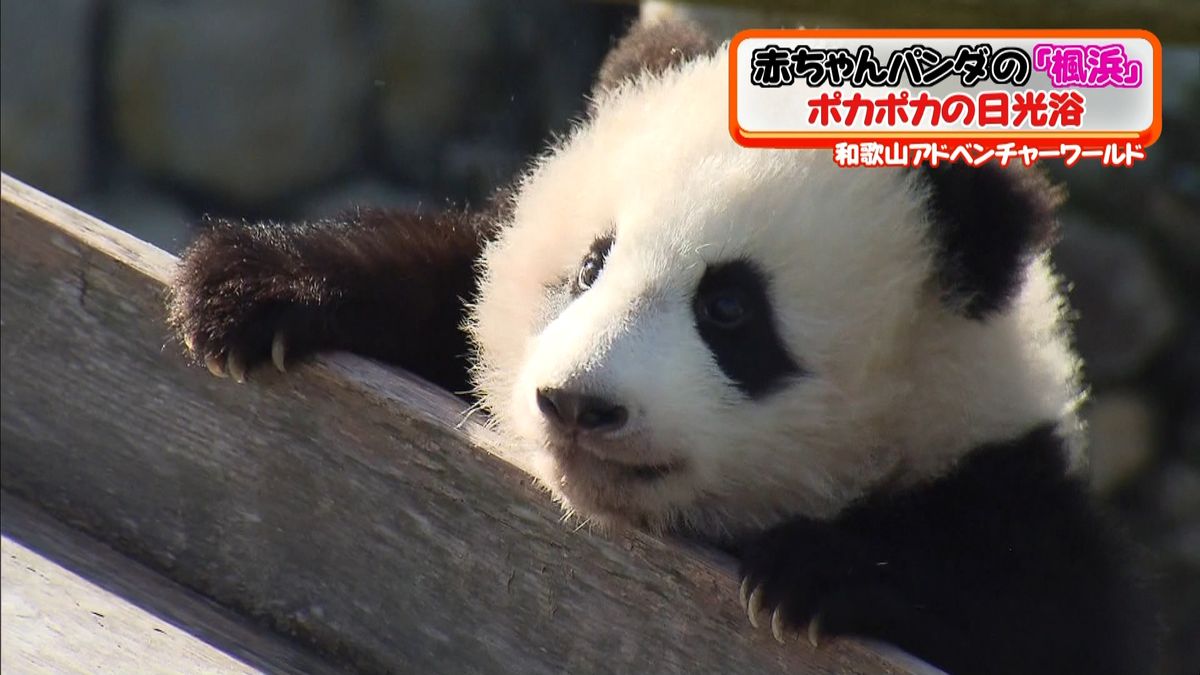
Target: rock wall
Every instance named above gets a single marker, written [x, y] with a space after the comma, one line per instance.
[152, 113]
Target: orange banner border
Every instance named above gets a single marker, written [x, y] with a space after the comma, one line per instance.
[828, 139]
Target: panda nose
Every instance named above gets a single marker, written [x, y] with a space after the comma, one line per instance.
[570, 411]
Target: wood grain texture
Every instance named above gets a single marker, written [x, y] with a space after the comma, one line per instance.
[345, 504]
[55, 622]
[72, 604]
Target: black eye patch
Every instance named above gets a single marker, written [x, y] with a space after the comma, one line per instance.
[734, 318]
[591, 266]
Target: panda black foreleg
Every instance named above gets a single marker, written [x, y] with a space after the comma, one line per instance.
[386, 285]
[1002, 566]
[817, 578]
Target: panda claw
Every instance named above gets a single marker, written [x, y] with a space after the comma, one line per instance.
[214, 366]
[777, 625]
[814, 631]
[190, 343]
[279, 352]
[744, 594]
[236, 367]
[755, 606]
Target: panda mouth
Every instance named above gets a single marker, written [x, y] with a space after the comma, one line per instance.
[644, 472]
[581, 460]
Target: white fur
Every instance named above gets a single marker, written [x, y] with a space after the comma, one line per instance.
[896, 388]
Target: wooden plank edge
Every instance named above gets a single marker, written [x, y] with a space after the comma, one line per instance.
[99, 565]
[414, 397]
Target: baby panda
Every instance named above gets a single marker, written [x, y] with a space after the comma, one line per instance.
[859, 382]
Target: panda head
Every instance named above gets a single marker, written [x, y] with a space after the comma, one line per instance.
[684, 333]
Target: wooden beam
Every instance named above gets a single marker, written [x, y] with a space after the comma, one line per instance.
[345, 504]
[72, 604]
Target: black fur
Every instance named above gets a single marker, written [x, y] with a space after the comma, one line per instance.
[386, 285]
[1002, 567]
[751, 354]
[652, 48]
[987, 223]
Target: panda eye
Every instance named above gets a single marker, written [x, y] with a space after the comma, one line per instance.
[589, 271]
[592, 265]
[725, 308]
[734, 318]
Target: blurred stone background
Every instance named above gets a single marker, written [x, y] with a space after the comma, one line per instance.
[150, 114]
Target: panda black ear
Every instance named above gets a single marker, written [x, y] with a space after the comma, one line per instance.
[651, 47]
[987, 224]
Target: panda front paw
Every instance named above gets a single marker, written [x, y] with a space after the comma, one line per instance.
[237, 300]
[810, 576]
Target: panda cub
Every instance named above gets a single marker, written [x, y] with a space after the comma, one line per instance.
[856, 381]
